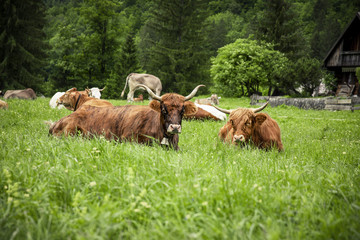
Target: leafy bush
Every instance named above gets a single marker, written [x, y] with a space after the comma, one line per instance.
[306, 74]
[329, 80]
[240, 68]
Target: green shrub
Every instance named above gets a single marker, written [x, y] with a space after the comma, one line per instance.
[240, 68]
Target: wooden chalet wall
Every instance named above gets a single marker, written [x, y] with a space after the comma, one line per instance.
[344, 58]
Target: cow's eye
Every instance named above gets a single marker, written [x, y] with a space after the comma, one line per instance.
[248, 124]
[163, 110]
[182, 110]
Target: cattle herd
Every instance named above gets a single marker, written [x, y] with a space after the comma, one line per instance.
[159, 122]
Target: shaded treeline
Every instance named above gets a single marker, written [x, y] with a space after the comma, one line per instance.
[53, 45]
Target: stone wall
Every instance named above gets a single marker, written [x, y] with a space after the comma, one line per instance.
[303, 103]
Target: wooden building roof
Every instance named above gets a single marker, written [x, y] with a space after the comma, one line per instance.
[345, 52]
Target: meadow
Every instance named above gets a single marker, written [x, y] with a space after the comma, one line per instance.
[77, 188]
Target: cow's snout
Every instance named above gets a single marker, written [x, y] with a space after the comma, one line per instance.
[174, 128]
[239, 138]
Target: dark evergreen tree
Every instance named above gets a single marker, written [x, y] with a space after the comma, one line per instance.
[63, 29]
[326, 30]
[216, 35]
[100, 42]
[22, 44]
[234, 6]
[175, 44]
[277, 22]
[330, 18]
[85, 37]
[128, 58]
[127, 63]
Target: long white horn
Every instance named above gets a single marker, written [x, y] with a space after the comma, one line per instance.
[102, 89]
[192, 94]
[151, 93]
[255, 110]
[222, 110]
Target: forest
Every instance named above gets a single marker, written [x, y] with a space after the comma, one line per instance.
[234, 47]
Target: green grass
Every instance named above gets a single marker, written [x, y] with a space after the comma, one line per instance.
[76, 188]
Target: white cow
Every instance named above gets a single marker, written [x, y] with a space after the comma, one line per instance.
[94, 92]
[213, 111]
[53, 101]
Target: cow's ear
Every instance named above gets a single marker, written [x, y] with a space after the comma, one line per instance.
[88, 91]
[155, 105]
[260, 118]
[72, 89]
[190, 108]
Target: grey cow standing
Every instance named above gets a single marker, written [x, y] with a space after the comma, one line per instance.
[148, 80]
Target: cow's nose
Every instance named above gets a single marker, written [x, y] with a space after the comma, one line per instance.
[174, 128]
[239, 138]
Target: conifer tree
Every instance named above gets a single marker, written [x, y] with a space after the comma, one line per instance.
[277, 22]
[128, 59]
[175, 45]
[127, 63]
[22, 44]
[100, 40]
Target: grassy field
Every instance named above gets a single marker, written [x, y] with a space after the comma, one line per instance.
[75, 188]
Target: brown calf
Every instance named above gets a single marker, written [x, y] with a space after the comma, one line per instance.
[214, 99]
[3, 105]
[73, 100]
[159, 122]
[246, 125]
[139, 99]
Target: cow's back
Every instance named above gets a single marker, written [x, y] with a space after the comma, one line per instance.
[21, 94]
[10, 92]
[123, 123]
[149, 80]
[95, 102]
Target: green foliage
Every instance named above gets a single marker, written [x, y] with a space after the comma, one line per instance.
[65, 43]
[329, 19]
[277, 22]
[173, 46]
[173, 40]
[79, 188]
[233, 6]
[330, 81]
[84, 49]
[357, 73]
[100, 39]
[306, 74]
[127, 63]
[223, 28]
[22, 44]
[240, 68]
